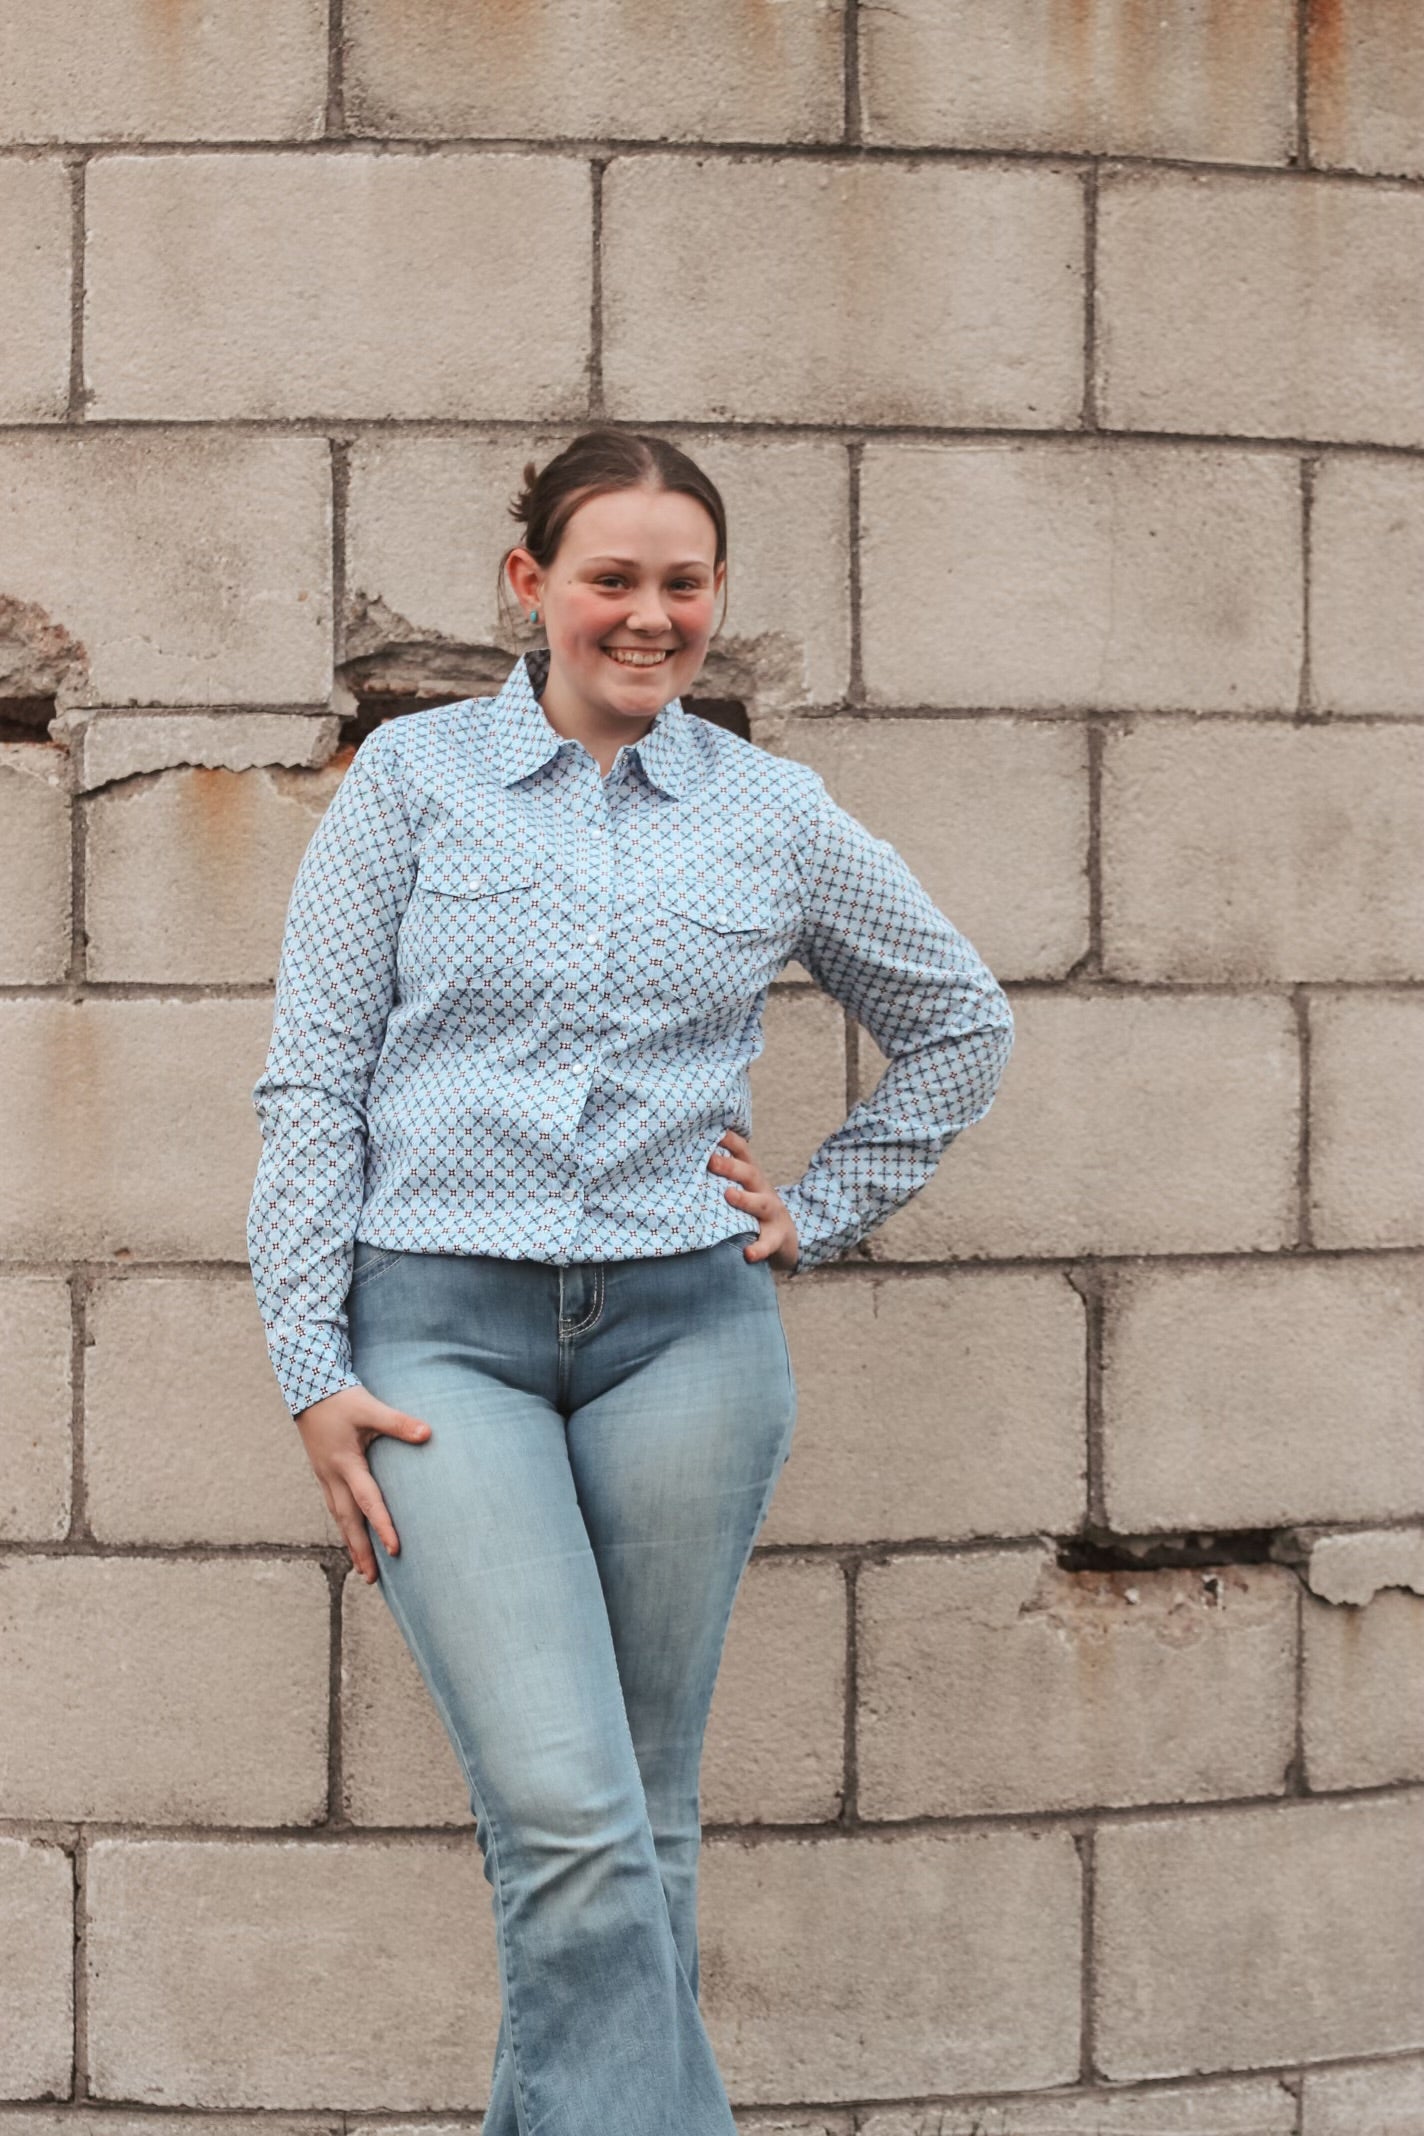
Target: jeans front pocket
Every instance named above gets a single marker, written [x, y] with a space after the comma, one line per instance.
[368, 1261]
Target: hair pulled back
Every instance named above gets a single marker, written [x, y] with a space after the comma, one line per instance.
[594, 462]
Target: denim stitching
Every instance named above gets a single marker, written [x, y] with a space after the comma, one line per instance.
[374, 1268]
[581, 1327]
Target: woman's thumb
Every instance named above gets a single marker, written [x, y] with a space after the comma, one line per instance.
[406, 1427]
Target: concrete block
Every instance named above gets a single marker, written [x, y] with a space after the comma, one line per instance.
[1125, 1124]
[118, 71]
[866, 1968]
[1238, 1937]
[856, 292]
[1367, 566]
[220, 848]
[35, 914]
[185, 569]
[1355, 1566]
[35, 266]
[428, 521]
[1367, 1119]
[132, 1131]
[1250, 854]
[954, 797]
[1260, 307]
[1263, 2106]
[932, 1406]
[1081, 576]
[1363, 1715]
[36, 1452]
[1384, 2100]
[266, 1974]
[275, 286]
[997, 1682]
[398, 1764]
[1243, 1396]
[164, 1692]
[743, 74]
[105, 746]
[775, 1746]
[186, 1436]
[1364, 110]
[798, 1086]
[36, 1969]
[1180, 80]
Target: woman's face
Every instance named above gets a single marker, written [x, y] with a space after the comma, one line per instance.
[634, 572]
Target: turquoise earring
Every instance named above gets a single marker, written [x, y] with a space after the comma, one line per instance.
[533, 615]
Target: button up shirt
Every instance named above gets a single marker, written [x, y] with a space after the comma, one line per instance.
[517, 1001]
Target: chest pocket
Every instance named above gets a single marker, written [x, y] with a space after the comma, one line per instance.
[476, 933]
[715, 945]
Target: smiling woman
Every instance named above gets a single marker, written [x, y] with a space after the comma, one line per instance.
[624, 555]
[512, 1244]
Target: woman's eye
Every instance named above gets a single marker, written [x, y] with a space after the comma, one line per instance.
[614, 578]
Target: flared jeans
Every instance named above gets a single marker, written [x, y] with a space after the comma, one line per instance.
[605, 1440]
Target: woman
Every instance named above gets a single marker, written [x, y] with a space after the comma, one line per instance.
[514, 1253]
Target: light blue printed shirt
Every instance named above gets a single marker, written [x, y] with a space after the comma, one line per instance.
[517, 1001]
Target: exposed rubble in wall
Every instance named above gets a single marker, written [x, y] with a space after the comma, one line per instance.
[39, 659]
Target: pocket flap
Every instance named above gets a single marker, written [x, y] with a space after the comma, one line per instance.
[468, 874]
[730, 907]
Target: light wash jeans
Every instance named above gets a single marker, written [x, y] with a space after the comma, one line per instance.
[605, 1441]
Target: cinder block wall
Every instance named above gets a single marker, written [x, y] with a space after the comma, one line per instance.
[1062, 365]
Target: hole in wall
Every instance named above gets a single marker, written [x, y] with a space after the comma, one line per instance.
[26, 719]
[1100, 1551]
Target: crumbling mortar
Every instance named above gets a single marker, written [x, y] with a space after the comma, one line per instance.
[852, 126]
[335, 1566]
[752, 430]
[1308, 710]
[1090, 418]
[1300, 999]
[848, 1815]
[334, 121]
[722, 148]
[1296, 1781]
[79, 2057]
[1086, 1849]
[855, 455]
[77, 396]
[340, 457]
[1077, 1821]
[597, 407]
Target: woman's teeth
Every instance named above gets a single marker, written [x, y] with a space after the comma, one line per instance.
[627, 657]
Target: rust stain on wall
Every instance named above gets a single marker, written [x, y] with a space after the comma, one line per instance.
[1326, 63]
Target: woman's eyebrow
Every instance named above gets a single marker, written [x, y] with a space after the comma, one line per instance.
[690, 563]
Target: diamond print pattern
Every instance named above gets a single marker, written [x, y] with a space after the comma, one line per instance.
[517, 1002]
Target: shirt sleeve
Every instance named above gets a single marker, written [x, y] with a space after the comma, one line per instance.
[335, 986]
[877, 943]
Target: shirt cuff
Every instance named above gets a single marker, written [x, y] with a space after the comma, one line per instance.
[310, 1361]
[826, 1223]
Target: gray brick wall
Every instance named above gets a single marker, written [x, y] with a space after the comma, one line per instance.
[1061, 366]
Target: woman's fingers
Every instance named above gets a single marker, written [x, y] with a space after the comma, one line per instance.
[347, 1515]
[366, 1492]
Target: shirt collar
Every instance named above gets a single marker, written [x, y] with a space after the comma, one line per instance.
[521, 738]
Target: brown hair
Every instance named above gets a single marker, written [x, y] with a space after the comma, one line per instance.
[591, 463]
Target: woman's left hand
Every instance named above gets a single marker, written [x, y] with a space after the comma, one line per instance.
[750, 1189]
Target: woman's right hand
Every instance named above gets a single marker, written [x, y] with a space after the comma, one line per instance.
[336, 1432]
